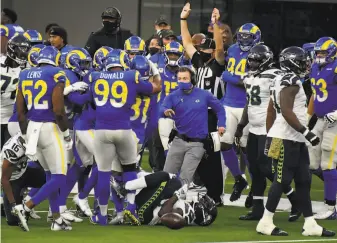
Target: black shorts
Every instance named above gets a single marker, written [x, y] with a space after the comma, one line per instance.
[33, 177]
[149, 198]
[291, 161]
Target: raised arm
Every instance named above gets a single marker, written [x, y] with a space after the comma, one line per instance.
[219, 51]
[186, 36]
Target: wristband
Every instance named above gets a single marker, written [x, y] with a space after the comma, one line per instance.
[66, 133]
[183, 18]
[304, 131]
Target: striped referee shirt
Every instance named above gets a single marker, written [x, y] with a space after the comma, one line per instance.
[209, 75]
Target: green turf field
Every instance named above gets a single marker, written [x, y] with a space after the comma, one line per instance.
[226, 228]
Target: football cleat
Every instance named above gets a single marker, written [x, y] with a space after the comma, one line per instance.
[83, 205]
[250, 217]
[60, 224]
[21, 213]
[268, 228]
[130, 214]
[313, 229]
[329, 214]
[239, 186]
[99, 219]
[249, 200]
[70, 217]
[294, 214]
[119, 219]
[33, 214]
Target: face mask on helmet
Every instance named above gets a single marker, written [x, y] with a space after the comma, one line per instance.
[18, 53]
[205, 211]
[173, 58]
[245, 40]
[320, 57]
[85, 66]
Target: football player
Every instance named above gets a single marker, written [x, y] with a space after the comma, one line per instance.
[114, 92]
[99, 57]
[173, 53]
[77, 66]
[287, 134]
[11, 64]
[323, 79]
[8, 27]
[235, 100]
[134, 46]
[261, 73]
[160, 193]
[40, 92]
[17, 175]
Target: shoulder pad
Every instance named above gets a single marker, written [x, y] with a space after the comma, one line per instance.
[290, 79]
[271, 73]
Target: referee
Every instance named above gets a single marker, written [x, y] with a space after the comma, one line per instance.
[209, 62]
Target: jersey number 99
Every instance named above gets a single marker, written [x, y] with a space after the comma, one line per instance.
[27, 91]
[118, 93]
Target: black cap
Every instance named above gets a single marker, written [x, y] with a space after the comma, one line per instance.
[111, 12]
[166, 33]
[207, 43]
[161, 20]
[10, 14]
[59, 31]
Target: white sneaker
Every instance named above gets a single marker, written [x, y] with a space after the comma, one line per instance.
[83, 204]
[69, 216]
[21, 213]
[60, 224]
[311, 228]
[329, 213]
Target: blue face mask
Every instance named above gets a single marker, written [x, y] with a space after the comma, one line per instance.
[185, 86]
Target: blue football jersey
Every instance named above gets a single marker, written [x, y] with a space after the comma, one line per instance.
[37, 85]
[114, 93]
[169, 82]
[9, 30]
[235, 95]
[324, 87]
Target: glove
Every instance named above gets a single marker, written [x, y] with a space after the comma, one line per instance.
[78, 86]
[331, 117]
[68, 142]
[181, 193]
[310, 136]
[238, 134]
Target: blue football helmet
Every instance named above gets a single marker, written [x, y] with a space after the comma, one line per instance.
[134, 46]
[117, 58]
[141, 64]
[173, 48]
[33, 54]
[99, 57]
[78, 61]
[33, 36]
[325, 50]
[248, 36]
[49, 55]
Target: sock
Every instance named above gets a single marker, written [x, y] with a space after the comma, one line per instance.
[50, 190]
[231, 161]
[139, 183]
[63, 208]
[330, 186]
[129, 176]
[119, 204]
[258, 207]
[32, 192]
[90, 184]
[268, 215]
[103, 187]
[83, 177]
[71, 178]
[103, 209]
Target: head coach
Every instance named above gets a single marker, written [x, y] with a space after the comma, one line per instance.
[110, 34]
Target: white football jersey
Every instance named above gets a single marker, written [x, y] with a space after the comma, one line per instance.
[281, 129]
[9, 83]
[258, 96]
[14, 151]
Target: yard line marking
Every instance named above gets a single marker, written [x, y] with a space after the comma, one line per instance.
[276, 241]
[110, 209]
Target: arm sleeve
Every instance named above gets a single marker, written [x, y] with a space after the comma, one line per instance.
[91, 45]
[216, 106]
[196, 60]
[78, 98]
[230, 78]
